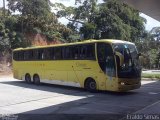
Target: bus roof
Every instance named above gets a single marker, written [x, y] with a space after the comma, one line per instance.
[76, 43]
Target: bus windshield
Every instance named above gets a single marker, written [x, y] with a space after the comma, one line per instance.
[130, 67]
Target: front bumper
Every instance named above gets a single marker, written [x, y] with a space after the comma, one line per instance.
[129, 84]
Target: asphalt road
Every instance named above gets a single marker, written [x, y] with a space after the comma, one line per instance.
[27, 101]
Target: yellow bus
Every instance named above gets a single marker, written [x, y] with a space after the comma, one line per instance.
[111, 65]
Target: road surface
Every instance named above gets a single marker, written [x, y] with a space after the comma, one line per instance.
[29, 101]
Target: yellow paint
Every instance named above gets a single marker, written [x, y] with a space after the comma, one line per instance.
[67, 70]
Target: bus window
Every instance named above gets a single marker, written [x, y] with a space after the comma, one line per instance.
[26, 55]
[106, 58]
[83, 52]
[71, 52]
[131, 67]
[90, 54]
[87, 52]
[15, 56]
[51, 53]
[31, 55]
[66, 53]
[57, 53]
[40, 54]
[47, 54]
[35, 52]
[21, 55]
[76, 53]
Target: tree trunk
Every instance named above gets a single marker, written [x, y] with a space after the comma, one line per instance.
[4, 5]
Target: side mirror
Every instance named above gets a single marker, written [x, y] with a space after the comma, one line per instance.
[121, 58]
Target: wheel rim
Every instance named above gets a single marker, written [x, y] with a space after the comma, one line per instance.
[92, 85]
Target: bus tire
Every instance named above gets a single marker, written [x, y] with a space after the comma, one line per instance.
[90, 85]
[36, 79]
[28, 78]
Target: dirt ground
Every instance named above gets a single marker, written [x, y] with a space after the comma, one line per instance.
[5, 70]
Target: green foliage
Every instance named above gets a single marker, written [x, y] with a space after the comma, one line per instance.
[9, 37]
[149, 45]
[111, 19]
[119, 21]
[88, 30]
[146, 75]
[36, 17]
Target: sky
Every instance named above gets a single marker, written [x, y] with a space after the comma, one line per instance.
[149, 25]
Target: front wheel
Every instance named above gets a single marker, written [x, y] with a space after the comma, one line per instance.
[91, 85]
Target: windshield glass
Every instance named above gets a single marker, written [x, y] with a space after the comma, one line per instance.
[129, 49]
[106, 59]
[130, 67]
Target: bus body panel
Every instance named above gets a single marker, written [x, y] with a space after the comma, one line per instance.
[50, 71]
[64, 72]
[73, 72]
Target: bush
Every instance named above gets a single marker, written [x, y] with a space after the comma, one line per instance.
[147, 75]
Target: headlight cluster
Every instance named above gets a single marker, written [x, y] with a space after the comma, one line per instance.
[124, 66]
[122, 83]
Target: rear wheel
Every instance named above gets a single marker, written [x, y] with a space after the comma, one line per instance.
[36, 79]
[28, 78]
[91, 85]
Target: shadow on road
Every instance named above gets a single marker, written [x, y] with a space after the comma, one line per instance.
[61, 88]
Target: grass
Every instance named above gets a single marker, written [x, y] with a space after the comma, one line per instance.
[149, 75]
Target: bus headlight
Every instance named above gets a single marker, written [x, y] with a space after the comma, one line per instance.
[122, 83]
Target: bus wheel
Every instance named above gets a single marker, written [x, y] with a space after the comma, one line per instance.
[28, 78]
[90, 85]
[36, 79]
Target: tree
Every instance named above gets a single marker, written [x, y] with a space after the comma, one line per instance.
[36, 17]
[149, 45]
[155, 33]
[111, 19]
[34, 13]
[119, 21]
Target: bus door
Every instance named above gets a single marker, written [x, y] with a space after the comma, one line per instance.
[84, 61]
[106, 60]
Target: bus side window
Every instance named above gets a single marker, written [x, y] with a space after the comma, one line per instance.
[65, 53]
[58, 53]
[30, 52]
[87, 52]
[76, 52]
[35, 53]
[40, 54]
[72, 53]
[51, 50]
[83, 52]
[92, 52]
[26, 55]
[19, 55]
[15, 56]
[46, 54]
